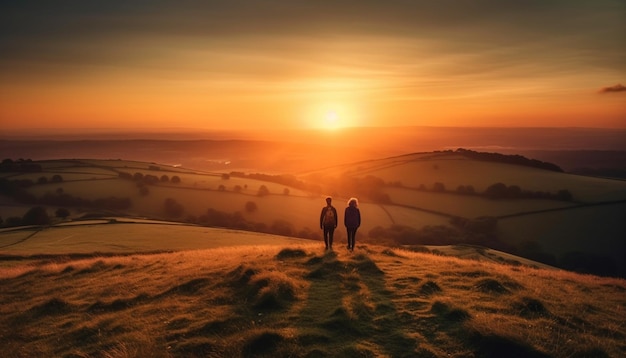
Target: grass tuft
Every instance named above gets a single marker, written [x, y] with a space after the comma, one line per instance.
[498, 346]
[262, 344]
[530, 308]
[366, 266]
[54, 306]
[290, 254]
[190, 287]
[429, 288]
[449, 313]
[489, 285]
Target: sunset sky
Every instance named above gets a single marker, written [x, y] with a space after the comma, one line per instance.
[300, 64]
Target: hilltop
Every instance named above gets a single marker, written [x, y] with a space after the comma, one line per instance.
[298, 301]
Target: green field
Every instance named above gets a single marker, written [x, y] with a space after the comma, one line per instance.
[555, 226]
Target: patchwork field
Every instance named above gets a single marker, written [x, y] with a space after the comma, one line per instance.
[417, 195]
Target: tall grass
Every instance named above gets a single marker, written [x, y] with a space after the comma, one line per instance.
[300, 301]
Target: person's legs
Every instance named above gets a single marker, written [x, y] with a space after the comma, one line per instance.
[353, 237]
[326, 236]
[349, 231]
[331, 233]
[351, 234]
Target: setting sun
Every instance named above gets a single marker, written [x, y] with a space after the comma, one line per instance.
[332, 120]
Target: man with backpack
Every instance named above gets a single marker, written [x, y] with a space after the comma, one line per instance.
[328, 222]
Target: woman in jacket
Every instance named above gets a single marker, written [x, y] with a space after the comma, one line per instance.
[352, 221]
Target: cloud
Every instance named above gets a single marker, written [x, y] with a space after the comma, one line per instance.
[616, 88]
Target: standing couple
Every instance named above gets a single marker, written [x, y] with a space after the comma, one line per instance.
[351, 219]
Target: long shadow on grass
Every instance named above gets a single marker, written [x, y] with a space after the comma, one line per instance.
[348, 304]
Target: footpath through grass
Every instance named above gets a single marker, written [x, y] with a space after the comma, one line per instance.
[301, 301]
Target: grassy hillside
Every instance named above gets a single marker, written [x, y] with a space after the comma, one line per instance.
[418, 199]
[296, 300]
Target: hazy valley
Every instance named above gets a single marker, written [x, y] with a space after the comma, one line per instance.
[241, 217]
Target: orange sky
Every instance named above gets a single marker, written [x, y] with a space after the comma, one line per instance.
[290, 64]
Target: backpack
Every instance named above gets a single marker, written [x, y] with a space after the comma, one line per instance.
[329, 217]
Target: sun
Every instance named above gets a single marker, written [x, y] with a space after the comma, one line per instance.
[331, 120]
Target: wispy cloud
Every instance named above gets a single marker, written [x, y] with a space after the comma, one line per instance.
[612, 89]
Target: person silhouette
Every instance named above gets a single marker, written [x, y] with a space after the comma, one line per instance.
[328, 222]
[352, 221]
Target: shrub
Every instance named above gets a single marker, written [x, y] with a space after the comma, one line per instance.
[175, 179]
[263, 191]
[57, 178]
[36, 216]
[282, 227]
[62, 213]
[251, 207]
[173, 208]
[496, 191]
[439, 187]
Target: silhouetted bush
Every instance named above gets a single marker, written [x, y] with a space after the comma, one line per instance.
[282, 227]
[251, 206]
[496, 191]
[13, 221]
[57, 178]
[36, 216]
[42, 180]
[263, 191]
[439, 187]
[508, 159]
[173, 208]
[165, 178]
[175, 179]
[564, 195]
[62, 213]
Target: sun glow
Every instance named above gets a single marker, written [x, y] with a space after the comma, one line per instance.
[331, 116]
[332, 120]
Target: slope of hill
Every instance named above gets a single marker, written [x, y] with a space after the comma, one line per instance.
[299, 301]
[560, 219]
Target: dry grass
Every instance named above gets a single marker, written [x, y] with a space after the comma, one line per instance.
[299, 301]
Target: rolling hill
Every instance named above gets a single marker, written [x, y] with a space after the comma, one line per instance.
[142, 264]
[565, 220]
[295, 300]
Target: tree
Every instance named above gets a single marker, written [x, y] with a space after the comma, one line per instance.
[36, 216]
[42, 180]
[564, 194]
[514, 191]
[173, 208]
[251, 207]
[57, 178]
[496, 191]
[237, 189]
[221, 187]
[138, 176]
[62, 213]
[175, 179]
[439, 187]
[286, 191]
[225, 176]
[263, 190]
[165, 178]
